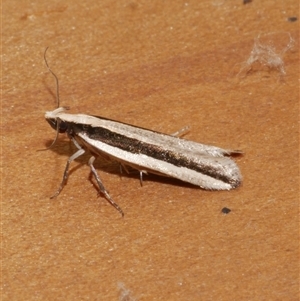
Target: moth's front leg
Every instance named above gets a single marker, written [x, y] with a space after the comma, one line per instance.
[80, 152]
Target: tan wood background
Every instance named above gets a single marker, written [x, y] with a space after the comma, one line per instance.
[161, 65]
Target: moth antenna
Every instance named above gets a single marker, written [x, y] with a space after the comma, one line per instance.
[57, 97]
[56, 78]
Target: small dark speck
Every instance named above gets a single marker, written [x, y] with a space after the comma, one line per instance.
[225, 210]
[247, 1]
[292, 19]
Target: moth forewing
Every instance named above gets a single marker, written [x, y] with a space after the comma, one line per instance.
[208, 172]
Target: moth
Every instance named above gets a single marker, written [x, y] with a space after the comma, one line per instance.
[147, 151]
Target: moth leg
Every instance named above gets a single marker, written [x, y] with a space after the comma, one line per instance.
[66, 172]
[122, 166]
[101, 186]
[181, 132]
[141, 176]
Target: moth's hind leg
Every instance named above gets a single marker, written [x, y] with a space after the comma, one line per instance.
[141, 172]
[123, 166]
[181, 132]
[141, 175]
[101, 186]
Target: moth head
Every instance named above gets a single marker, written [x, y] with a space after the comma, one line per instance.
[52, 117]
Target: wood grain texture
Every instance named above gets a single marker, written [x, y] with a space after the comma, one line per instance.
[160, 65]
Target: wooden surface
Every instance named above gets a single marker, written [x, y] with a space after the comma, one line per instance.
[161, 65]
